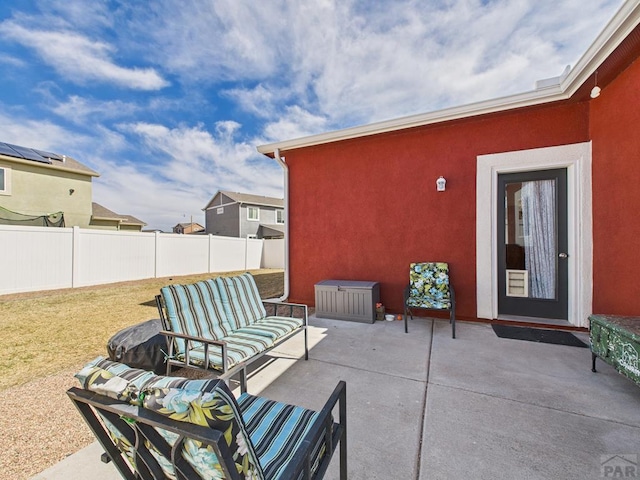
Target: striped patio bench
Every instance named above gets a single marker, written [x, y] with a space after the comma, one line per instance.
[222, 325]
[158, 427]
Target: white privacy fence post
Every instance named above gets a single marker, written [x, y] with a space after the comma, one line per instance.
[75, 256]
[156, 260]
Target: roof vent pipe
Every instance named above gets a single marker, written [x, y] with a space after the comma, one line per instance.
[285, 168]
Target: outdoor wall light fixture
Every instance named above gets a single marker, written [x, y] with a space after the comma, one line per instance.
[441, 184]
[71, 190]
[595, 91]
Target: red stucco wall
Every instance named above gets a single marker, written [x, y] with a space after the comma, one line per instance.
[364, 209]
[615, 130]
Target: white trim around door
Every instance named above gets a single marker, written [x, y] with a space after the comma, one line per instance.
[576, 158]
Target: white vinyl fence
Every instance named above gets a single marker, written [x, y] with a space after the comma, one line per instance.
[41, 258]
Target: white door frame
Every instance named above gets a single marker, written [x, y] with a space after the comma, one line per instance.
[576, 158]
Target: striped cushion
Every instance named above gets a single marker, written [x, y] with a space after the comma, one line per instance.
[241, 300]
[240, 346]
[276, 431]
[119, 381]
[196, 310]
[273, 327]
[115, 380]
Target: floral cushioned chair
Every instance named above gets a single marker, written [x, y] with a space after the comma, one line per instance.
[430, 289]
[157, 427]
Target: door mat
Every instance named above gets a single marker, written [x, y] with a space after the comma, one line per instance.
[538, 335]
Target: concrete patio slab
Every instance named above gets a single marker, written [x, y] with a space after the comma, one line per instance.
[423, 407]
[554, 376]
[84, 464]
[474, 435]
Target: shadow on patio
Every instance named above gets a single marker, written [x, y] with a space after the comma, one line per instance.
[423, 405]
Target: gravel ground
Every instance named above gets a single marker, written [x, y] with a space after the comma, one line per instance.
[53, 430]
[50, 429]
[45, 432]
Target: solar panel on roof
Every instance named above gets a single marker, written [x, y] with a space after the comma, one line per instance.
[7, 150]
[29, 153]
[53, 156]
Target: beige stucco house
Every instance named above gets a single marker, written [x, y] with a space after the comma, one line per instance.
[36, 186]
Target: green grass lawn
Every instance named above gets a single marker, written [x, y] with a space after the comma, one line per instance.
[44, 332]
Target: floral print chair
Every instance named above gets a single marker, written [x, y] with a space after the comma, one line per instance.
[157, 427]
[430, 289]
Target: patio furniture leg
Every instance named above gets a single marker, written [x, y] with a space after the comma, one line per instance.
[243, 380]
[342, 412]
[593, 362]
[453, 321]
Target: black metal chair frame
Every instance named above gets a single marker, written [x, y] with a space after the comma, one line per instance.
[226, 373]
[452, 310]
[138, 425]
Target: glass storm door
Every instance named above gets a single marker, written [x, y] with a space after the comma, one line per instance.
[532, 244]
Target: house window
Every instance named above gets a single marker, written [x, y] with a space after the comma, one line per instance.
[5, 181]
[220, 210]
[280, 216]
[253, 213]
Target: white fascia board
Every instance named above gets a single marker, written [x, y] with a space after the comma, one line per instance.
[213, 207]
[258, 204]
[618, 28]
[534, 97]
[212, 199]
[107, 219]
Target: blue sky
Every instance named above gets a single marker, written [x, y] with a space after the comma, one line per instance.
[168, 100]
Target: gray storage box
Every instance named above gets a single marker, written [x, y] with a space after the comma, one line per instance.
[347, 300]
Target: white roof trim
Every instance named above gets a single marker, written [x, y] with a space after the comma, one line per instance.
[618, 28]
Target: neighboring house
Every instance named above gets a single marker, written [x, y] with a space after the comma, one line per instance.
[243, 215]
[364, 205]
[103, 218]
[188, 228]
[40, 188]
[38, 183]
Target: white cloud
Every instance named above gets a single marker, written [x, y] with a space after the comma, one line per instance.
[76, 14]
[293, 122]
[352, 62]
[297, 68]
[347, 61]
[80, 59]
[260, 101]
[196, 157]
[210, 41]
[11, 61]
[19, 129]
[183, 168]
[129, 190]
[79, 110]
